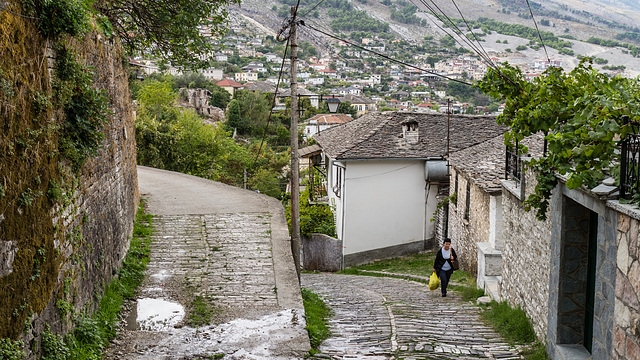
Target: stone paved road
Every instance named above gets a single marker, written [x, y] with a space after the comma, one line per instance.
[388, 318]
[229, 247]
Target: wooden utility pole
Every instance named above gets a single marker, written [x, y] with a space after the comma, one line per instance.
[295, 170]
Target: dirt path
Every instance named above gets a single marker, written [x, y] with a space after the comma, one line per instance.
[218, 252]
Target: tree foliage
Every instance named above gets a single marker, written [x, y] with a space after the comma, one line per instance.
[169, 29]
[580, 112]
[172, 138]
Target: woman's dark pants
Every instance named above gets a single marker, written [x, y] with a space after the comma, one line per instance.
[444, 276]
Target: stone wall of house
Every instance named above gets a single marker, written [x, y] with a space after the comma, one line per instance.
[525, 257]
[465, 233]
[626, 333]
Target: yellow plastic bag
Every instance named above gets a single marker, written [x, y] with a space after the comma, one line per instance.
[434, 282]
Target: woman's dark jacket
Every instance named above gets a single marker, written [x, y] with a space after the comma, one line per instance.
[440, 260]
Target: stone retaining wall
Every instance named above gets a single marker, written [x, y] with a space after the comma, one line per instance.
[525, 258]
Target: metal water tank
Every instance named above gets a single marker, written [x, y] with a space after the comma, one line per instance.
[436, 171]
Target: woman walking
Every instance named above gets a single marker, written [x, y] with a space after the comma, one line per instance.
[443, 266]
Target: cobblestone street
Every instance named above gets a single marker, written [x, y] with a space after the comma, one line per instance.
[387, 318]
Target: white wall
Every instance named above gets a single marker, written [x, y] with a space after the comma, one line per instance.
[384, 204]
[495, 222]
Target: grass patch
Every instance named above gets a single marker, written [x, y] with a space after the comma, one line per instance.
[537, 351]
[317, 314]
[416, 264]
[510, 323]
[93, 332]
[200, 312]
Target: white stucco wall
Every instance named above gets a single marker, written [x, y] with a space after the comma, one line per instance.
[384, 205]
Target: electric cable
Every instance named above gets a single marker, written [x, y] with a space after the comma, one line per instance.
[538, 30]
[384, 56]
[439, 15]
[275, 95]
[473, 33]
[313, 8]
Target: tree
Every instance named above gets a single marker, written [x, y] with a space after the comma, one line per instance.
[346, 108]
[235, 120]
[580, 114]
[169, 29]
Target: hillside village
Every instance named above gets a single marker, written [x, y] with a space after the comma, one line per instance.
[369, 83]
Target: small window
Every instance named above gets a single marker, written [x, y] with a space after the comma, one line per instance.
[468, 201]
[455, 191]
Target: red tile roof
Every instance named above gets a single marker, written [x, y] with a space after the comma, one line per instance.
[229, 82]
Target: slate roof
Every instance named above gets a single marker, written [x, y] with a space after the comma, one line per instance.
[484, 163]
[379, 135]
[354, 99]
[260, 86]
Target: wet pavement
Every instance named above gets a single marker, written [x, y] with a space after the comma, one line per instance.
[387, 318]
[221, 246]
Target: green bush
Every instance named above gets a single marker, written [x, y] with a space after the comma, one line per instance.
[59, 17]
[53, 346]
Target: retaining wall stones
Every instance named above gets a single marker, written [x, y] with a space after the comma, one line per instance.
[321, 253]
[525, 257]
[626, 332]
[57, 252]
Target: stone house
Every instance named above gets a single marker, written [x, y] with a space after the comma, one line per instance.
[230, 86]
[362, 104]
[384, 174]
[475, 222]
[576, 274]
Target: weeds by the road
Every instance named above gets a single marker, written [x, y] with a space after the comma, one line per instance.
[93, 332]
[200, 311]
[511, 323]
[317, 314]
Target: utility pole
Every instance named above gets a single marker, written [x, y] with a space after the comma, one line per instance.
[295, 175]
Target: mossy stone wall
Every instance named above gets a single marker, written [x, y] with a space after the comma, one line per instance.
[63, 232]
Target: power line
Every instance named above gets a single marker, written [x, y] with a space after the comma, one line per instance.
[313, 8]
[450, 22]
[275, 95]
[473, 33]
[384, 56]
[538, 30]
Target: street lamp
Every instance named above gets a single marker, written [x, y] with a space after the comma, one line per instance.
[333, 104]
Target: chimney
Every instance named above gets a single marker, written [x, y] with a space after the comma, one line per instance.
[410, 132]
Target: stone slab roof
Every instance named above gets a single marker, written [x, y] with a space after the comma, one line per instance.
[379, 135]
[484, 163]
[356, 99]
